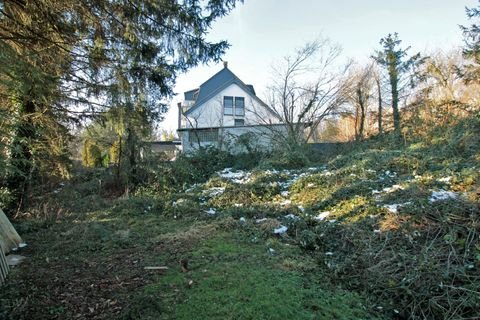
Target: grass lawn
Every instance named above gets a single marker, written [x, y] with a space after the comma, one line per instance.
[91, 266]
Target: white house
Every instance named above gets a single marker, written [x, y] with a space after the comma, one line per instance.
[222, 110]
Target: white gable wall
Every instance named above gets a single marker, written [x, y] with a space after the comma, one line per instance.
[210, 114]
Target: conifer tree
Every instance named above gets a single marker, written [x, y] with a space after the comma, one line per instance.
[396, 62]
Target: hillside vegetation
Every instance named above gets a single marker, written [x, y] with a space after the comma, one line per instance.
[379, 229]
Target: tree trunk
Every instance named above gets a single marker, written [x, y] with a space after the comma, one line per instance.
[132, 176]
[380, 107]
[21, 154]
[396, 111]
[119, 160]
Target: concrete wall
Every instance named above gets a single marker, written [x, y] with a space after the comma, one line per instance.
[261, 138]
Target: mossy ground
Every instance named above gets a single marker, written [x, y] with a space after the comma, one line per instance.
[91, 266]
[364, 240]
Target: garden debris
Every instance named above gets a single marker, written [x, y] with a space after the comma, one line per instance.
[156, 268]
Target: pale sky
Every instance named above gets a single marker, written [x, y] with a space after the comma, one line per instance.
[261, 32]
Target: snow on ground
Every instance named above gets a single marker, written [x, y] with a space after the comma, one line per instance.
[213, 192]
[393, 208]
[445, 180]
[280, 230]
[322, 215]
[443, 195]
[211, 211]
[238, 176]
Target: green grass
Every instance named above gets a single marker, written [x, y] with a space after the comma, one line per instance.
[235, 279]
[92, 265]
[86, 258]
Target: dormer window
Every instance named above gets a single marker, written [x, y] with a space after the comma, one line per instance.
[234, 106]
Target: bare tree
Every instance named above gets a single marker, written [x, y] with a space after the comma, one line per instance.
[307, 87]
[359, 92]
[378, 84]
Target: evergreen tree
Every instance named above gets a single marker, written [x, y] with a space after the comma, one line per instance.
[472, 46]
[396, 61]
[63, 60]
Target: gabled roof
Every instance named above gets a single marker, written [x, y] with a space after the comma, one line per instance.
[217, 83]
[191, 95]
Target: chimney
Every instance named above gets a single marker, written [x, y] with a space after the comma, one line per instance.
[225, 64]
[179, 115]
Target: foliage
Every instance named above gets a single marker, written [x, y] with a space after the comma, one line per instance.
[472, 44]
[91, 154]
[62, 61]
[394, 59]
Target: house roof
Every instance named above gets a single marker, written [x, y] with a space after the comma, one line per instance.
[190, 95]
[217, 83]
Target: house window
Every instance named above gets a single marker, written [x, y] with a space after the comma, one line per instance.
[228, 106]
[239, 106]
[203, 135]
[239, 122]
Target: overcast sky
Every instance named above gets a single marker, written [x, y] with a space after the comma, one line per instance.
[261, 32]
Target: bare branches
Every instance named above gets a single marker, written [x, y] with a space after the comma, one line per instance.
[307, 87]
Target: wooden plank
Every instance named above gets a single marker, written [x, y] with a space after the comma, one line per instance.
[3, 266]
[9, 238]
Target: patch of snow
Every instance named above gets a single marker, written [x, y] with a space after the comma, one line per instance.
[237, 205]
[371, 171]
[322, 215]
[393, 188]
[261, 220]
[292, 216]
[328, 253]
[14, 259]
[445, 180]
[211, 211]
[280, 230]
[285, 202]
[238, 176]
[353, 175]
[377, 231]
[284, 193]
[391, 174]
[271, 172]
[301, 208]
[192, 187]
[310, 185]
[215, 191]
[393, 208]
[271, 250]
[242, 220]
[375, 192]
[332, 220]
[442, 195]
[326, 173]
